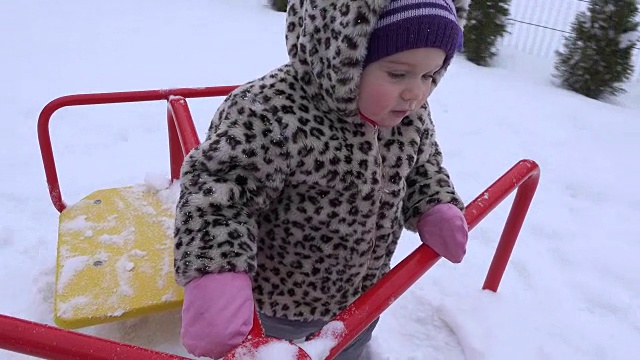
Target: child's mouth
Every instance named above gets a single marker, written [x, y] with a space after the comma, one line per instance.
[399, 113]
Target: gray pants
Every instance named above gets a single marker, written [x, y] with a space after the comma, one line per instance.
[295, 330]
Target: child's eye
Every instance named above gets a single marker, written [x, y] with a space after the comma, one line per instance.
[395, 75]
[428, 77]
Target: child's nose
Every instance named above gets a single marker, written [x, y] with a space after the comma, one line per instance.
[408, 95]
[411, 93]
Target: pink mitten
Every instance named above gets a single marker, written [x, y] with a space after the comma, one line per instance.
[217, 313]
[444, 229]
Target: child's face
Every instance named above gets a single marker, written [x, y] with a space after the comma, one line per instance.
[395, 86]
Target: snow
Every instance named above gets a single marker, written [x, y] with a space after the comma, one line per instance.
[320, 347]
[272, 351]
[124, 267]
[118, 239]
[157, 182]
[70, 268]
[316, 349]
[67, 309]
[629, 38]
[572, 286]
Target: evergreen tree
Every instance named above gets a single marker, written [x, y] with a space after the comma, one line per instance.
[597, 56]
[279, 5]
[486, 24]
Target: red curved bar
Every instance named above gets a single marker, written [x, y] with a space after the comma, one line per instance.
[49, 342]
[54, 343]
[44, 137]
[182, 133]
[523, 176]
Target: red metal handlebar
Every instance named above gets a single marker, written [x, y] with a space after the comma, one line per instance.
[363, 311]
[50, 342]
[182, 133]
[44, 138]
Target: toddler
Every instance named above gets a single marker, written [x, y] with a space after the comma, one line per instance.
[297, 197]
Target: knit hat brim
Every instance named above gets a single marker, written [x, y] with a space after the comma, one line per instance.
[408, 25]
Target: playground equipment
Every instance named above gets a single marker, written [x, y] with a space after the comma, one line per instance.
[115, 251]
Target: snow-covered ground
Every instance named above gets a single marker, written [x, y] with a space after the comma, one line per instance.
[570, 291]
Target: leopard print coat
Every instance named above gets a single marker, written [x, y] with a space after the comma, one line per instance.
[292, 187]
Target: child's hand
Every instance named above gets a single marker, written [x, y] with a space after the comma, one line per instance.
[217, 313]
[444, 229]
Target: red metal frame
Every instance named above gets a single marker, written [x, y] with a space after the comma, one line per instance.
[50, 342]
[182, 133]
[523, 176]
[181, 126]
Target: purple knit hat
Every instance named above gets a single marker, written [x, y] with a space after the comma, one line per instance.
[412, 24]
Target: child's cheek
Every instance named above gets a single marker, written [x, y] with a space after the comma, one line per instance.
[380, 100]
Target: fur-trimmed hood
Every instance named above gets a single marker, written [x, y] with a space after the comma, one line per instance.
[327, 45]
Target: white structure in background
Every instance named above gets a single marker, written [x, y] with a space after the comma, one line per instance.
[538, 27]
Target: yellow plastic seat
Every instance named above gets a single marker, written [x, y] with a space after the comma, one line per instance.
[115, 257]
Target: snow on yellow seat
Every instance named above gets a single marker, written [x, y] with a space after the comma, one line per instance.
[115, 256]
